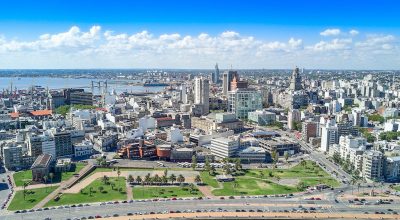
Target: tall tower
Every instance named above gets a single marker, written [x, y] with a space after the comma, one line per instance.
[202, 93]
[227, 80]
[295, 80]
[215, 75]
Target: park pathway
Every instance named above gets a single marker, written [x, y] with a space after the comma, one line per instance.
[206, 190]
[64, 185]
[129, 192]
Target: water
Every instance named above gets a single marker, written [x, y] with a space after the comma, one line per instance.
[59, 83]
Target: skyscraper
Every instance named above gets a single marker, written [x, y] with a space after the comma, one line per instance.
[215, 75]
[227, 80]
[202, 93]
[243, 101]
[295, 80]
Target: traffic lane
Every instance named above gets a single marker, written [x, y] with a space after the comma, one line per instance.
[123, 209]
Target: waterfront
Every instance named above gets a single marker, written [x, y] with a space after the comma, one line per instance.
[22, 83]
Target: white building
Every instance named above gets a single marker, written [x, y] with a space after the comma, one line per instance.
[202, 93]
[329, 136]
[85, 148]
[147, 122]
[224, 147]
[175, 135]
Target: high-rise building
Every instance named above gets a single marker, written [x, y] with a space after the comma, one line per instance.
[373, 165]
[227, 80]
[309, 129]
[215, 75]
[293, 116]
[329, 136]
[243, 101]
[295, 80]
[63, 143]
[202, 93]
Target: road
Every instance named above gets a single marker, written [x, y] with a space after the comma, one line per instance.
[279, 204]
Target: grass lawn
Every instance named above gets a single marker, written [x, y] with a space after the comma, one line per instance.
[163, 192]
[22, 176]
[252, 186]
[26, 175]
[109, 193]
[259, 181]
[210, 180]
[397, 188]
[33, 197]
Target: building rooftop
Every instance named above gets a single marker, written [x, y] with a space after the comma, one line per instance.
[42, 160]
[41, 112]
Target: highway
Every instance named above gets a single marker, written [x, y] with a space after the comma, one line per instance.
[273, 204]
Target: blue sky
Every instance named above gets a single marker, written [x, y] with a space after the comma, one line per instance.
[269, 23]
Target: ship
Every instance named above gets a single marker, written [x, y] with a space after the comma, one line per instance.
[154, 84]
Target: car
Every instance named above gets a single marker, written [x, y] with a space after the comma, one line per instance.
[129, 214]
[221, 197]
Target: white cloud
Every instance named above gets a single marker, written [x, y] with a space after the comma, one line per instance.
[330, 32]
[94, 48]
[353, 32]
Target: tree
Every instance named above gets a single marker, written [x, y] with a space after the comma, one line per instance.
[336, 158]
[90, 191]
[197, 179]
[51, 175]
[164, 179]
[101, 188]
[130, 179]
[207, 166]
[112, 185]
[194, 162]
[274, 156]
[118, 172]
[191, 188]
[238, 164]
[105, 179]
[26, 183]
[301, 186]
[286, 155]
[157, 179]
[166, 172]
[139, 179]
[180, 179]
[172, 178]
[227, 168]
[212, 171]
[261, 173]
[147, 178]
[278, 178]
[303, 163]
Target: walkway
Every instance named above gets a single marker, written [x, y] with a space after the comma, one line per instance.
[62, 186]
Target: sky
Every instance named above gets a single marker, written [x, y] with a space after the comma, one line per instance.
[317, 34]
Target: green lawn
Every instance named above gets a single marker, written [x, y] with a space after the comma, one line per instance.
[32, 197]
[26, 175]
[260, 182]
[108, 194]
[252, 186]
[209, 180]
[397, 188]
[163, 192]
[22, 176]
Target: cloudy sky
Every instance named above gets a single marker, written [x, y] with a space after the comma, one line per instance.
[177, 34]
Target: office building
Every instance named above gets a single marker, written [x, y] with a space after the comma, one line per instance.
[202, 94]
[243, 101]
[223, 147]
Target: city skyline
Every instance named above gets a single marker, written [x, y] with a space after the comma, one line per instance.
[251, 35]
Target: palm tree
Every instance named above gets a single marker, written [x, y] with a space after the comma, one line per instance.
[118, 172]
[197, 179]
[166, 172]
[303, 163]
[194, 162]
[353, 181]
[105, 179]
[181, 178]
[100, 188]
[164, 179]
[172, 178]
[235, 185]
[26, 183]
[278, 178]
[51, 175]
[112, 185]
[191, 188]
[207, 166]
[156, 179]
[130, 179]
[139, 179]
[238, 164]
[286, 155]
[147, 178]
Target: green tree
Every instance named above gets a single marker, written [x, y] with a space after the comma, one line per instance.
[286, 156]
[118, 172]
[130, 179]
[139, 179]
[197, 179]
[180, 179]
[105, 179]
[274, 156]
[147, 178]
[207, 166]
[238, 164]
[100, 188]
[51, 175]
[194, 162]
[172, 178]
